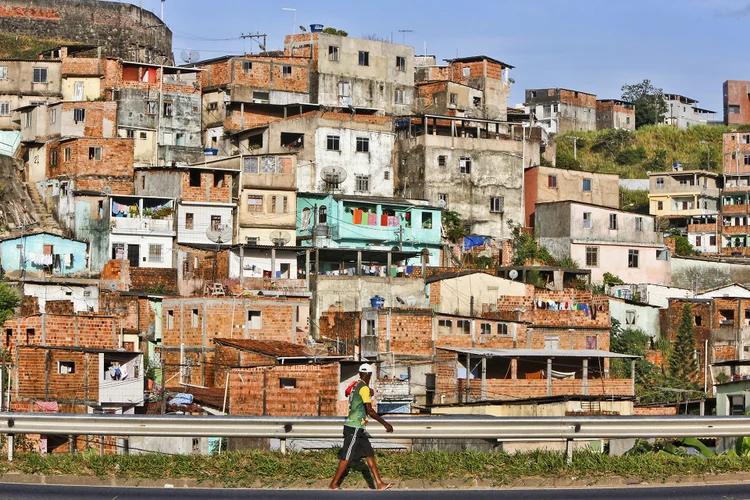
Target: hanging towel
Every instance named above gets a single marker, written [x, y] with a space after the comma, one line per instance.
[357, 216]
[383, 220]
[393, 221]
[372, 219]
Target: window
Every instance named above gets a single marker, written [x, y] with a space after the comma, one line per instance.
[286, 71]
[477, 101]
[445, 327]
[4, 109]
[734, 109]
[95, 153]
[745, 138]
[502, 328]
[179, 139]
[426, 220]
[322, 215]
[746, 159]
[170, 320]
[485, 328]
[79, 115]
[587, 184]
[639, 223]
[28, 120]
[260, 96]
[251, 165]
[212, 106]
[272, 204]
[533, 93]
[287, 383]
[194, 318]
[464, 164]
[3, 72]
[453, 99]
[463, 326]
[496, 204]
[143, 135]
[370, 327]
[66, 154]
[216, 223]
[254, 320]
[592, 256]
[154, 252]
[150, 107]
[53, 115]
[363, 145]
[736, 404]
[467, 71]
[613, 221]
[444, 198]
[698, 320]
[344, 89]
[712, 241]
[40, 75]
[254, 203]
[195, 178]
[333, 53]
[167, 109]
[633, 258]
[400, 63]
[247, 66]
[363, 183]
[292, 140]
[398, 97]
[698, 241]
[130, 133]
[660, 205]
[333, 143]
[387, 175]
[726, 317]
[189, 220]
[552, 181]
[659, 182]
[442, 161]
[591, 342]
[364, 58]
[587, 220]
[218, 179]
[53, 157]
[66, 367]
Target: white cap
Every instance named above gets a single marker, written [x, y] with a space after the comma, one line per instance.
[365, 368]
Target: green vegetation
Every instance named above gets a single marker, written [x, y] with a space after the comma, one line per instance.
[648, 149]
[269, 469]
[634, 201]
[453, 228]
[24, 47]
[9, 300]
[683, 367]
[526, 249]
[682, 244]
[334, 31]
[649, 102]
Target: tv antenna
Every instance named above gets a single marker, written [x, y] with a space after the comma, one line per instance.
[403, 35]
[256, 38]
[190, 56]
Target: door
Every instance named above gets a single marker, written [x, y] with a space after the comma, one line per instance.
[78, 91]
[134, 255]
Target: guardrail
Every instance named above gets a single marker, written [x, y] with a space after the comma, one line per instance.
[444, 427]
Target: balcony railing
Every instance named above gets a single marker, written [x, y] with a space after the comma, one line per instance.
[129, 391]
[141, 225]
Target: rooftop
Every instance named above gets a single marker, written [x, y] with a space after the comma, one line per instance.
[537, 353]
[478, 58]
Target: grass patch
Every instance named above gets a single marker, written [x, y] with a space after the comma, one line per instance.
[24, 47]
[253, 468]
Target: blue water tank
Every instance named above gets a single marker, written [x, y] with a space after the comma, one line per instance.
[377, 301]
[316, 28]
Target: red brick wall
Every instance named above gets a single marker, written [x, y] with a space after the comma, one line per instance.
[96, 113]
[566, 318]
[38, 376]
[206, 191]
[236, 120]
[143, 278]
[133, 313]
[411, 334]
[342, 327]
[59, 307]
[80, 66]
[90, 330]
[583, 99]
[257, 391]
[117, 158]
[655, 411]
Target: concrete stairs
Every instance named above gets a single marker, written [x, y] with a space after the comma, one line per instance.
[47, 221]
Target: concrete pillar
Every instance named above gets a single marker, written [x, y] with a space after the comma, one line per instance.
[389, 263]
[307, 270]
[359, 262]
[514, 369]
[484, 378]
[468, 375]
[549, 376]
[632, 375]
[273, 263]
[585, 388]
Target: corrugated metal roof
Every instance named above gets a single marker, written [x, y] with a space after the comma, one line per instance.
[538, 353]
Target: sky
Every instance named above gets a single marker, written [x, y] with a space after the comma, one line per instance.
[687, 47]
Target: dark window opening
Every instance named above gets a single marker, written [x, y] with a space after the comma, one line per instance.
[292, 140]
[218, 179]
[287, 383]
[195, 178]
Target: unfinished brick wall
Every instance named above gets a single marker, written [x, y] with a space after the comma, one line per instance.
[230, 358]
[39, 376]
[736, 148]
[259, 392]
[97, 114]
[145, 278]
[341, 328]
[133, 313]
[527, 308]
[81, 66]
[410, 332]
[655, 411]
[90, 330]
[581, 99]
[59, 307]
[118, 185]
[200, 263]
[236, 120]
[208, 191]
[116, 158]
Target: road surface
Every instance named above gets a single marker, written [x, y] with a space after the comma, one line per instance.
[48, 492]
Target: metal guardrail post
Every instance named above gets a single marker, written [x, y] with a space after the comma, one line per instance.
[11, 443]
[282, 446]
[569, 451]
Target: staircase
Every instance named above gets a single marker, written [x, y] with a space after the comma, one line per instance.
[47, 222]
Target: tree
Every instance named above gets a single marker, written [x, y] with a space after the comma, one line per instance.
[9, 300]
[453, 228]
[683, 367]
[650, 106]
[334, 31]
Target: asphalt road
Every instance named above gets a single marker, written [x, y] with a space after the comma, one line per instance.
[35, 492]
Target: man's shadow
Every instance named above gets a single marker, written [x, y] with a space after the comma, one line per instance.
[360, 465]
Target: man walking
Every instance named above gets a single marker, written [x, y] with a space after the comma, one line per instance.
[356, 442]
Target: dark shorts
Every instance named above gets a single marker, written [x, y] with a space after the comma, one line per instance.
[356, 444]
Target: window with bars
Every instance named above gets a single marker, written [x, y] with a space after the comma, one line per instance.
[254, 203]
[40, 75]
[464, 165]
[286, 71]
[363, 183]
[155, 253]
[247, 66]
[4, 109]
[79, 115]
[333, 143]
[442, 160]
[3, 72]
[363, 145]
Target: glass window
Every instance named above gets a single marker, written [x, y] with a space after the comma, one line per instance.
[613, 221]
[363, 145]
[399, 97]
[3, 72]
[485, 328]
[464, 165]
[587, 220]
[189, 219]
[247, 66]
[400, 63]
[95, 153]
[154, 252]
[552, 181]
[333, 53]
[659, 182]
[333, 143]
[5, 109]
[40, 75]
[592, 256]
[463, 326]
[286, 71]
[250, 165]
[364, 58]
[587, 184]
[633, 258]
[363, 183]
[497, 204]
[639, 223]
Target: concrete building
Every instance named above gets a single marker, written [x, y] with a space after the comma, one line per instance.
[205, 195]
[24, 83]
[542, 184]
[736, 102]
[142, 230]
[615, 114]
[562, 110]
[358, 147]
[43, 254]
[683, 193]
[77, 294]
[604, 239]
[683, 112]
[370, 223]
[636, 315]
[470, 166]
[357, 73]
[476, 86]
[467, 292]
[735, 197]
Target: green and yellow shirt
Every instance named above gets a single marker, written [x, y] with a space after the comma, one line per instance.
[358, 398]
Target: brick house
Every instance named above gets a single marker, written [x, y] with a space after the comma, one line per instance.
[562, 110]
[189, 326]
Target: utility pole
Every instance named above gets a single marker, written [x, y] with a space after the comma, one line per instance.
[163, 383]
[400, 238]
[257, 38]
[575, 146]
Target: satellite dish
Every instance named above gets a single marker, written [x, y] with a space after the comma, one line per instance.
[411, 301]
[280, 238]
[113, 287]
[513, 274]
[302, 28]
[190, 56]
[221, 234]
[261, 46]
[400, 300]
[314, 351]
[333, 176]
[107, 190]
[441, 204]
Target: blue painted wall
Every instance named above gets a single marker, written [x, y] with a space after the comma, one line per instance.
[10, 253]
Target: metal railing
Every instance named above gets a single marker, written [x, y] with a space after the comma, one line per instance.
[444, 427]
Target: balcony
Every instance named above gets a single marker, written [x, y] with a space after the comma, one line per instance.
[707, 227]
[142, 225]
[121, 378]
[141, 216]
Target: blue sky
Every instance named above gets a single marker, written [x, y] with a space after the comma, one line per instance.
[686, 47]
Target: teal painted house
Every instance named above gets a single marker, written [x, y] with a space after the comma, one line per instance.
[369, 223]
[43, 254]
